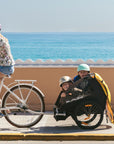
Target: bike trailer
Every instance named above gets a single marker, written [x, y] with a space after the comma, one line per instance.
[90, 87]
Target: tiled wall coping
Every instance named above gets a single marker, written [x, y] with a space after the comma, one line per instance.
[60, 62]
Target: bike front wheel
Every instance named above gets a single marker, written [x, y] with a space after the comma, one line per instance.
[23, 115]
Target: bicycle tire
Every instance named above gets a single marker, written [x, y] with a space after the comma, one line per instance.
[88, 114]
[25, 116]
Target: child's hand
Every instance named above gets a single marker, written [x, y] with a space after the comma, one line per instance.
[63, 95]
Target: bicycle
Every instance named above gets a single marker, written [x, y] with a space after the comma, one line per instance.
[17, 107]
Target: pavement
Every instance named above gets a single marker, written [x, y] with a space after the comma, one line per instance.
[49, 129]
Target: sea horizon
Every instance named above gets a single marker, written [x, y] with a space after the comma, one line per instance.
[61, 45]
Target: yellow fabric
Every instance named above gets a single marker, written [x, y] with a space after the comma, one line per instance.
[108, 94]
[103, 85]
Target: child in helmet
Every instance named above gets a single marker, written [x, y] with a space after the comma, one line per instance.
[65, 82]
[83, 70]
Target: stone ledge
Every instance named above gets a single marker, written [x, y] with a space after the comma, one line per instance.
[60, 62]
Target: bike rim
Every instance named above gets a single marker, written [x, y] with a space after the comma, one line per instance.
[27, 115]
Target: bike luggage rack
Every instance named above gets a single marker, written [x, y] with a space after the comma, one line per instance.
[32, 81]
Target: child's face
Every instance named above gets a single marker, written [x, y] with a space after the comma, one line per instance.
[65, 86]
[83, 73]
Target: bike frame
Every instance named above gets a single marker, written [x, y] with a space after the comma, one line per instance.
[16, 96]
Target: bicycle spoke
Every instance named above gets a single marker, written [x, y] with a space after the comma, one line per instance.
[20, 92]
[28, 95]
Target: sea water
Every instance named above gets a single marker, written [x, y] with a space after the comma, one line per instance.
[62, 45]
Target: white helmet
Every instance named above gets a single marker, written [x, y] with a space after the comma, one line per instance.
[64, 79]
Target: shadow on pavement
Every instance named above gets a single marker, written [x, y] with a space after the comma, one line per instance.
[65, 129]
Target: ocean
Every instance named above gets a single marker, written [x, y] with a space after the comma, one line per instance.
[62, 46]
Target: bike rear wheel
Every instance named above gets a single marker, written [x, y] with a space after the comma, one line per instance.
[88, 115]
[27, 115]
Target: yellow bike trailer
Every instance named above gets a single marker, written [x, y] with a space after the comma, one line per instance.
[86, 101]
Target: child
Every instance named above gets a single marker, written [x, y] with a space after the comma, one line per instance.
[83, 70]
[65, 82]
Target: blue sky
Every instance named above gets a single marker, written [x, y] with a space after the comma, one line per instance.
[57, 15]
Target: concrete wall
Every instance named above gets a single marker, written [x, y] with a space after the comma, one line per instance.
[47, 79]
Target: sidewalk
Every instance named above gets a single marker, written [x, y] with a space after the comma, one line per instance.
[49, 129]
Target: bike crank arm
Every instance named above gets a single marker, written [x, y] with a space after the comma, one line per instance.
[39, 113]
